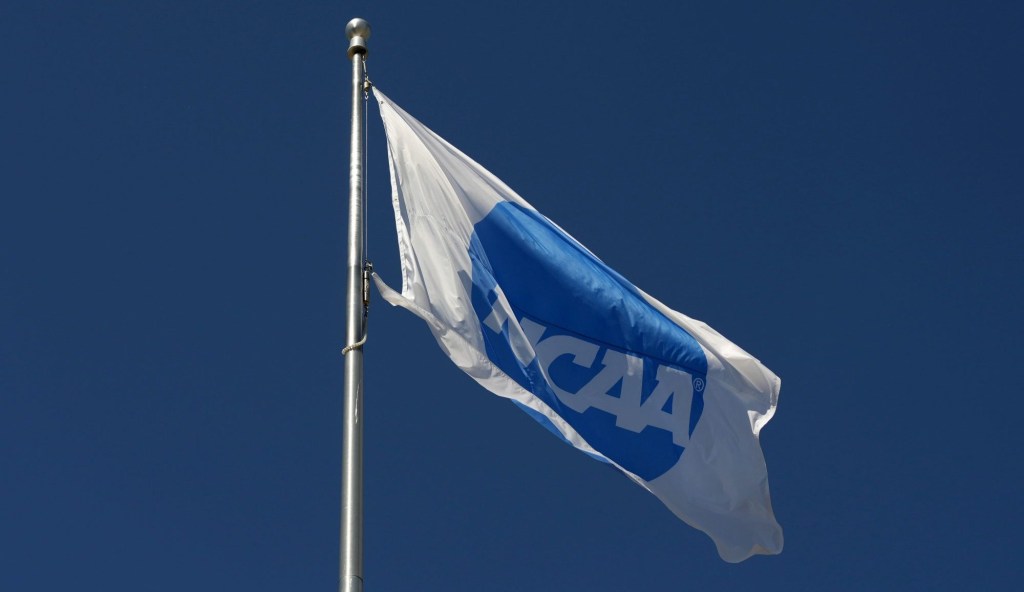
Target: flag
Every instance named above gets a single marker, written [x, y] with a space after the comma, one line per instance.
[535, 317]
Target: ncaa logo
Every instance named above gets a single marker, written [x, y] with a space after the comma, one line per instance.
[626, 378]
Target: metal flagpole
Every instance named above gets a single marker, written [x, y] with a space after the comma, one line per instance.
[351, 557]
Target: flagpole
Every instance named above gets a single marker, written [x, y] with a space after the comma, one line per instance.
[350, 568]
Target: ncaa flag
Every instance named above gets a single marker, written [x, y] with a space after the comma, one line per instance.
[535, 317]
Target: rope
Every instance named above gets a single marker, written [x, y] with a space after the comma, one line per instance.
[358, 344]
[367, 85]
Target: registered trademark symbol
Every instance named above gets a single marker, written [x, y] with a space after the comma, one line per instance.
[698, 384]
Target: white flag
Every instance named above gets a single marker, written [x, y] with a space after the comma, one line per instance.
[535, 317]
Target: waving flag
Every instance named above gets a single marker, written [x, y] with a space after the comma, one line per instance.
[535, 317]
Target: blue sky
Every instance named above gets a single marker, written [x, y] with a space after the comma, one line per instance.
[836, 187]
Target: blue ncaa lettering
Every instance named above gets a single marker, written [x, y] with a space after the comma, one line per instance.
[629, 380]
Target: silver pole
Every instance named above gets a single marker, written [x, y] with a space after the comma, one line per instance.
[351, 558]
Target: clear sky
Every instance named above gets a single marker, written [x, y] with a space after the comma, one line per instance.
[835, 186]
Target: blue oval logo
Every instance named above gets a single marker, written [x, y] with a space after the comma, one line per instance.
[626, 378]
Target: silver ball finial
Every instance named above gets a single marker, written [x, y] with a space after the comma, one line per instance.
[358, 31]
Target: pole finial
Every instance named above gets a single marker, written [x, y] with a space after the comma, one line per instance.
[358, 31]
